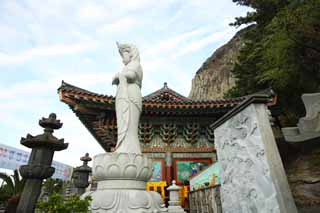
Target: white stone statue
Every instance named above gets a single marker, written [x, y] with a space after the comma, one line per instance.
[128, 100]
[308, 127]
[122, 175]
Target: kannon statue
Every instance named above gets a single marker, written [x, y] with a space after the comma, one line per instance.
[128, 99]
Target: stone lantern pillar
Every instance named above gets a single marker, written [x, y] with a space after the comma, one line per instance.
[39, 166]
[174, 202]
[81, 175]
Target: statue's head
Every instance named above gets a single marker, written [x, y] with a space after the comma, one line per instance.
[128, 53]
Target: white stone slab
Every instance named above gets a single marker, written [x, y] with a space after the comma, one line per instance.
[253, 177]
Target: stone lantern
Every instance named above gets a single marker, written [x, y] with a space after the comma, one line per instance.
[39, 165]
[174, 202]
[81, 175]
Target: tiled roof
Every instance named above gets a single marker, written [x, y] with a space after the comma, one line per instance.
[97, 111]
[165, 98]
[165, 94]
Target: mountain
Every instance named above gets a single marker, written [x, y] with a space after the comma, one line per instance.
[214, 79]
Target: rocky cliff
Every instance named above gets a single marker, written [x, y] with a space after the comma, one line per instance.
[301, 160]
[214, 78]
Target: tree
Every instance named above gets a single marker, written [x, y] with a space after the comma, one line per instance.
[58, 204]
[52, 185]
[282, 51]
[264, 12]
[11, 189]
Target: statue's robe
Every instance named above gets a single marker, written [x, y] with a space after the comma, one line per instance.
[128, 108]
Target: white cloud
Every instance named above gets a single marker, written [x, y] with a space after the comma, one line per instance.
[8, 32]
[74, 41]
[25, 89]
[197, 45]
[171, 21]
[172, 43]
[137, 5]
[46, 51]
[119, 26]
[92, 12]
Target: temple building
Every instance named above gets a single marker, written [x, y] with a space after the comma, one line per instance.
[174, 130]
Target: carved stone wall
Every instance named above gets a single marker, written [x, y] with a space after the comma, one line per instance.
[206, 200]
[253, 178]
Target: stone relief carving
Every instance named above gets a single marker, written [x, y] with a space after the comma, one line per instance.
[246, 180]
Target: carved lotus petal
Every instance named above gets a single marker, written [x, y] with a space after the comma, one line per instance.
[105, 158]
[105, 199]
[144, 173]
[123, 158]
[99, 171]
[123, 201]
[130, 171]
[138, 160]
[122, 166]
[140, 199]
[113, 171]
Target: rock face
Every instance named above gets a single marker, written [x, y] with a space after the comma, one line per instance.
[302, 161]
[214, 78]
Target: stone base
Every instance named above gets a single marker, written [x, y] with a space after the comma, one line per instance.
[175, 209]
[125, 201]
[293, 134]
[121, 185]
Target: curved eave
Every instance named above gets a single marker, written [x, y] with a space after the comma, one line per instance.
[81, 100]
[78, 101]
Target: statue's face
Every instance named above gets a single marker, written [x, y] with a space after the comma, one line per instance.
[126, 57]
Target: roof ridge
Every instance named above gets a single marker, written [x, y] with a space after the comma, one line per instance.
[157, 94]
[67, 86]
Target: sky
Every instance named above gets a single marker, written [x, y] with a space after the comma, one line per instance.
[44, 42]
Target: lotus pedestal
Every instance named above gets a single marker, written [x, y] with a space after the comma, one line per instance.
[122, 179]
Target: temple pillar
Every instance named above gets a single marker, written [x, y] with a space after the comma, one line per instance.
[169, 170]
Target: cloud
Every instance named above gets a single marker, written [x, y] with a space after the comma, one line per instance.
[199, 44]
[119, 26]
[74, 41]
[92, 12]
[172, 43]
[46, 51]
[137, 5]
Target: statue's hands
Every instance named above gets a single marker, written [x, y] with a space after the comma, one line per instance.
[115, 79]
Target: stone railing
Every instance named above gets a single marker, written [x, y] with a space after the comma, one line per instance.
[205, 200]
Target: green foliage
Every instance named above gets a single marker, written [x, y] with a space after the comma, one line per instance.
[265, 10]
[5, 193]
[11, 186]
[282, 51]
[52, 185]
[58, 204]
